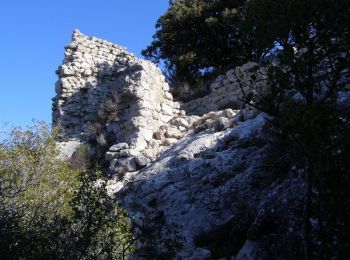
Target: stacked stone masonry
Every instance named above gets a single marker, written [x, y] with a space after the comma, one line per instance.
[96, 73]
[228, 90]
[98, 78]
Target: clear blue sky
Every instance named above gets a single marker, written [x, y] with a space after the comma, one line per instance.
[33, 34]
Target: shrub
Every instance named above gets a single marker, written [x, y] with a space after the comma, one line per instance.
[50, 211]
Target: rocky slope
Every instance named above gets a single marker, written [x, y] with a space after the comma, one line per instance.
[210, 192]
[192, 176]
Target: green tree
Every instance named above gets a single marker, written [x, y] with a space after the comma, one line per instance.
[50, 211]
[305, 44]
[199, 38]
[305, 48]
[33, 187]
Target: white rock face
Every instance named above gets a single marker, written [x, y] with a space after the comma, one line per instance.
[228, 90]
[185, 175]
[66, 149]
[199, 183]
[100, 80]
[95, 73]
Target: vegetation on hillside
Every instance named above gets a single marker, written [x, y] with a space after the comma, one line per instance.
[308, 63]
[50, 211]
[196, 39]
[305, 48]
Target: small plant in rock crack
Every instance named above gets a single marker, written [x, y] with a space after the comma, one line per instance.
[107, 113]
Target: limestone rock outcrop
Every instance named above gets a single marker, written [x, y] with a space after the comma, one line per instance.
[208, 192]
[190, 173]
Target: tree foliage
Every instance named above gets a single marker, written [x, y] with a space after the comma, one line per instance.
[50, 211]
[305, 49]
[198, 38]
[309, 42]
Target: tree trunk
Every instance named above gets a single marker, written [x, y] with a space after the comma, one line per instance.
[307, 209]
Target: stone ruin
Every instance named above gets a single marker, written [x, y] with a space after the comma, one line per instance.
[101, 85]
[228, 90]
[96, 73]
[202, 182]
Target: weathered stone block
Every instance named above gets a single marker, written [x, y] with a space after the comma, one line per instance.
[180, 122]
[118, 147]
[173, 133]
[141, 160]
[129, 164]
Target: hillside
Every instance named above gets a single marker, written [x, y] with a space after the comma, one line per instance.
[220, 132]
[192, 173]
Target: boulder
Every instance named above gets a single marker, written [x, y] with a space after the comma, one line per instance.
[170, 141]
[173, 133]
[66, 149]
[230, 112]
[128, 164]
[223, 123]
[180, 122]
[118, 147]
[141, 160]
[158, 135]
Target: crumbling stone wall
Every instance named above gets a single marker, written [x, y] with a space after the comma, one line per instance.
[102, 84]
[227, 90]
[94, 72]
